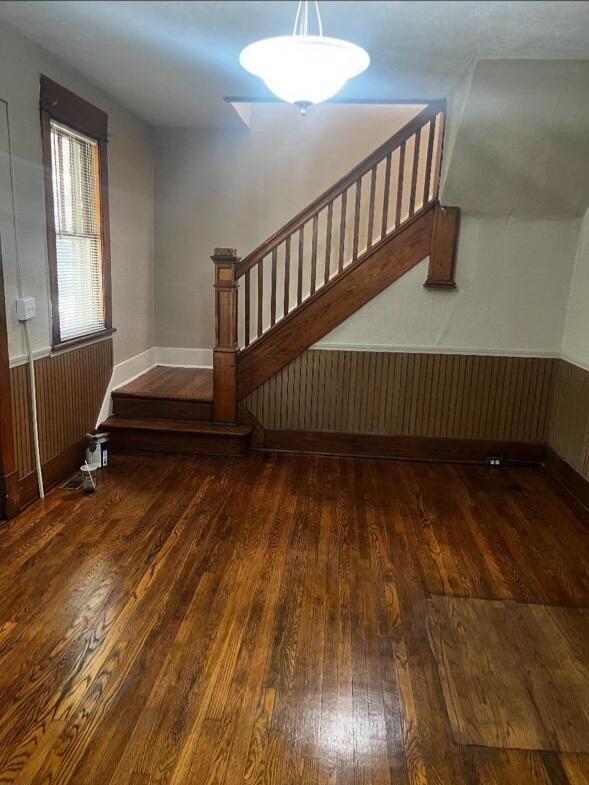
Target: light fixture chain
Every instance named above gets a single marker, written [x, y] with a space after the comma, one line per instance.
[319, 23]
[301, 22]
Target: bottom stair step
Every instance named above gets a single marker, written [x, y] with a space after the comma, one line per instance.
[193, 437]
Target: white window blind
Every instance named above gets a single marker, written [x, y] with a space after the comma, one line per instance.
[76, 200]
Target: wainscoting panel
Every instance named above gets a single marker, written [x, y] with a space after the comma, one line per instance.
[569, 423]
[70, 389]
[466, 396]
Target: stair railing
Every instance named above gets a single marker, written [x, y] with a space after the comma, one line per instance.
[391, 187]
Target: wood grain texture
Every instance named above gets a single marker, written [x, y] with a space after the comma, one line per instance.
[442, 259]
[263, 620]
[387, 261]
[171, 384]
[400, 447]
[456, 396]
[569, 419]
[514, 675]
[70, 390]
[8, 471]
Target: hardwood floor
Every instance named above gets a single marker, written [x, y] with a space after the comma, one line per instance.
[178, 384]
[264, 620]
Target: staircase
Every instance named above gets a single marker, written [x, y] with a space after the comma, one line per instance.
[171, 410]
[351, 243]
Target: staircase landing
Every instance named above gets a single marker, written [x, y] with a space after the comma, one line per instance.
[171, 384]
[171, 410]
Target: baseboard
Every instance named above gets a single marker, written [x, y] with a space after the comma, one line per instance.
[570, 479]
[122, 373]
[183, 358]
[409, 448]
[54, 471]
[9, 491]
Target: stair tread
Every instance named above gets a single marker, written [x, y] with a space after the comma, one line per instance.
[116, 422]
[170, 384]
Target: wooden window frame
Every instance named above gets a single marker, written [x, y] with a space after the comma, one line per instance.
[58, 104]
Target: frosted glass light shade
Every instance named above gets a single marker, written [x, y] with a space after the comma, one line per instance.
[304, 69]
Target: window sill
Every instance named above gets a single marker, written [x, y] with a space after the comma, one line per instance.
[74, 343]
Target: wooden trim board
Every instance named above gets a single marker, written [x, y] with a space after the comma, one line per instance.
[570, 479]
[411, 448]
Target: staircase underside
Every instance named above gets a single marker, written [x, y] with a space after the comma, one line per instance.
[170, 410]
[387, 261]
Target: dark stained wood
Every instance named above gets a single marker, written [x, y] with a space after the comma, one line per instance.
[328, 242]
[247, 314]
[413, 193]
[315, 225]
[168, 393]
[342, 231]
[225, 353]
[455, 396]
[429, 158]
[442, 259]
[568, 477]
[70, 389]
[55, 471]
[300, 265]
[529, 690]
[286, 304]
[64, 106]
[273, 288]
[9, 500]
[172, 384]
[357, 205]
[169, 409]
[334, 302]
[263, 620]
[371, 201]
[192, 437]
[569, 416]
[386, 196]
[342, 184]
[69, 109]
[400, 181]
[260, 303]
[411, 448]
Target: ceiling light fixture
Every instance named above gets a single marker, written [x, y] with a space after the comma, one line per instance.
[304, 69]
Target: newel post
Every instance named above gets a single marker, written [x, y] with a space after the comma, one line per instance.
[225, 354]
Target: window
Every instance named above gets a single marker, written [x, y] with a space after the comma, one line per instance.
[74, 146]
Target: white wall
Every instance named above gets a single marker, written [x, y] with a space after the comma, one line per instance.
[575, 345]
[130, 190]
[512, 286]
[519, 139]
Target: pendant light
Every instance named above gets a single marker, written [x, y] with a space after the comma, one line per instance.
[304, 69]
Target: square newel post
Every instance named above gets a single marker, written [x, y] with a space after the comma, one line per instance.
[225, 354]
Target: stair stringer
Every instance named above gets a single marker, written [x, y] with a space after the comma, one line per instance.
[377, 269]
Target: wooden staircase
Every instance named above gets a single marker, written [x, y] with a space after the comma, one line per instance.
[347, 246]
[171, 410]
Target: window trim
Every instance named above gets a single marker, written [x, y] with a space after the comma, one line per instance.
[58, 104]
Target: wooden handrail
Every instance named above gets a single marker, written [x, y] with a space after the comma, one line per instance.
[354, 175]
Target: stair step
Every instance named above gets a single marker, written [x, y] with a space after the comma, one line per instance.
[195, 437]
[149, 407]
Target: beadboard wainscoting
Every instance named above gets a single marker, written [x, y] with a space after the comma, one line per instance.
[70, 389]
[569, 419]
[433, 395]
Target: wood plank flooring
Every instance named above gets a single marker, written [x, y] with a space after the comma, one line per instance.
[513, 674]
[263, 620]
[177, 384]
